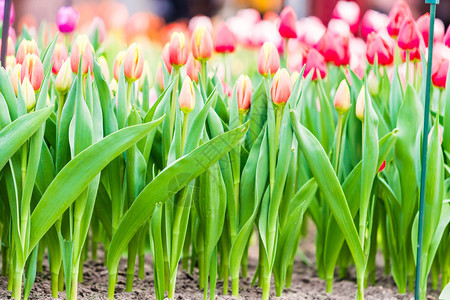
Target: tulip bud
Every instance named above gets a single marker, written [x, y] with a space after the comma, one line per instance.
[349, 12]
[117, 64]
[166, 58]
[342, 98]
[26, 47]
[187, 96]
[97, 28]
[28, 94]
[378, 46]
[244, 91]
[373, 84]
[281, 87]
[67, 19]
[383, 165]
[10, 50]
[15, 77]
[360, 104]
[408, 35]
[447, 38]
[82, 49]
[288, 21]
[192, 68]
[178, 50]
[133, 62]
[439, 72]
[225, 41]
[64, 78]
[315, 62]
[104, 67]
[145, 74]
[334, 48]
[32, 69]
[60, 55]
[201, 43]
[268, 59]
[399, 12]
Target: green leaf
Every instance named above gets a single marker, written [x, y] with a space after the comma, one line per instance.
[77, 174]
[16, 133]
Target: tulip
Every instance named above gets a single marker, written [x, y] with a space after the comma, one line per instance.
[334, 49]
[200, 21]
[10, 62]
[12, 14]
[281, 87]
[26, 47]
[67, 19]
[133, 63]
[244, 91]
[414, 55]
[339, 28]
[10, 50]
[60, 55]
[98, 28]
[423, 25]
[342, 98]
[82, 48]
[64, 78]
[310, 30]
[373, 21]
[439, 72]
[360, 104]
[201, 44]
[447, 38]
[377, 45]
[104, 67]
[349, 12]
[28, 94]
[15, 77]
[160, 77]
[193, 67]
[315, 62]
[373, 84]
[117, 64]
[408, 35]
[225, 41]
[113, 86]
[178, 50]
[440, 134]
[166, 58]
[33, 70]
[145, 74]
[383, 165]
[288, 19]
[187, 96]
[399, 12]
[268, 59]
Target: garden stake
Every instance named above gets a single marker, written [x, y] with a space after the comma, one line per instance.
[5, 31]
[424, 147]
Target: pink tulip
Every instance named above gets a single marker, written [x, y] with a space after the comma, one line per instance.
[200, 21]
[349, 12]
[60, 54]
[378, 46]
[193, 67]
[408, 35]
[26, 47]
[439, 71]
[399, 12]
[268, 59]
[373, 21]
[33, 70]
[82, 49]
[315, 63]
[117, 64]
[201, 44]
[281, 87]
[67, 19]
[97, 26]
[187, 96]
[447, 38]
[133, 64]
[178, 50]
[287, 23]
[310, 30]
[225, 41]
[342, 98]
[244, 91]
[12, 14]
[334, 49]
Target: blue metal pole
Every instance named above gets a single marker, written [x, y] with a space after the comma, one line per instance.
[426, 120]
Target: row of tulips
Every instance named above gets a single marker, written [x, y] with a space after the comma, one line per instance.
[188, 168]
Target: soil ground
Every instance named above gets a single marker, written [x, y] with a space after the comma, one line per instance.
[305, 283]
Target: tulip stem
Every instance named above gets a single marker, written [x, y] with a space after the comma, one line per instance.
[175, 72]
[184, 132]
[204, 67]
[338, 143]
[279, 116]
[129, 88]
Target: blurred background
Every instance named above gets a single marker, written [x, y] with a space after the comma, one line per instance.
[34, 11]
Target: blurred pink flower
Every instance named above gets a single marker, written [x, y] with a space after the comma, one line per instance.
[373, 21]
[67, 19]
[310, 30]
[349, 12]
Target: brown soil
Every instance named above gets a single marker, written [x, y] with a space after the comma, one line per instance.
[305, 284]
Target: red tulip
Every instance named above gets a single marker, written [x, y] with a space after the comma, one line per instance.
[281, 87]
[26, 47]
[408, 35]
[133, 63]
[447, 38]
[60, 54]
[399, 12]
[193, 67]
[287, 23]
[82, 49]
[349, 12]
[33, 70]
[244, 91]
[225, 41]
[377, 45]
[187, 96]
[373, 21]
[268, 59]
[201, 43]
[334, 49]
[178, 50]
[439, 72]
[315, 62]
